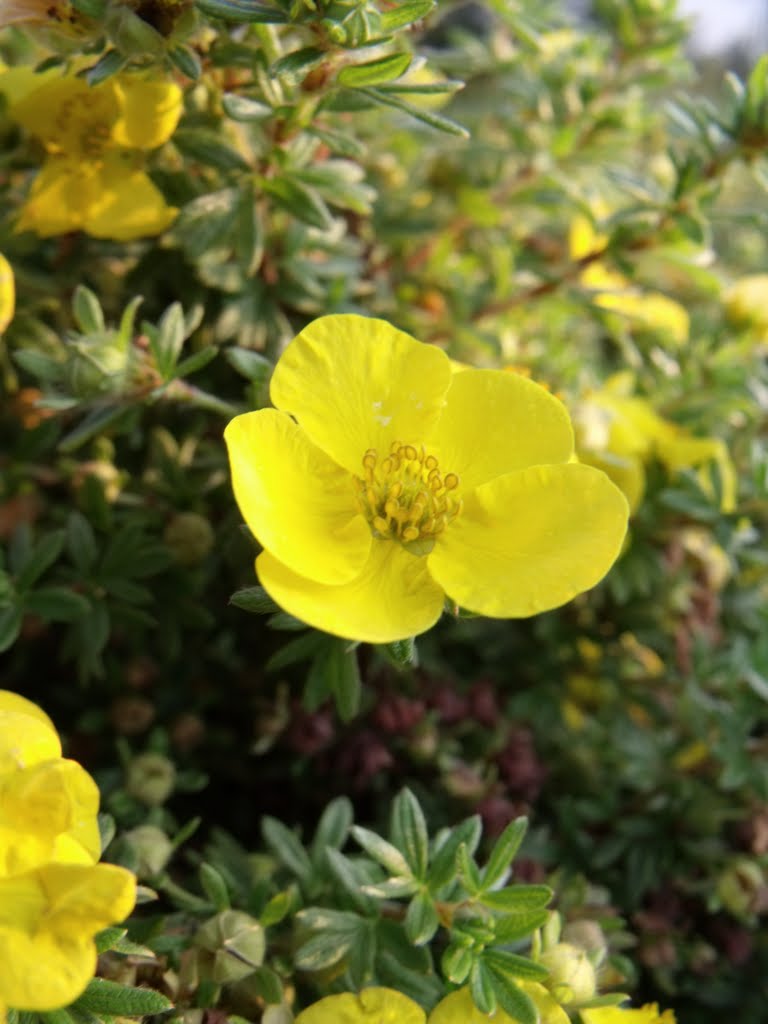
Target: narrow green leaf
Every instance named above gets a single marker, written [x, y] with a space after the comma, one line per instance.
[107, 938]
[517, 966]
[408, 831]
[443, 870]
[42, 557]
[374, 72]
[296, 64]
[102, 996]
[482, 988]
[286, 846]
[170, 339]
[214, 886]
[109, 64]
[346, 685]
[457, 961]
[195, 362]
[267, 984]
[513, 1000]
[253, 366]
[301, 200]
[208, 148]
[242, 10]
[278, 908]
[405, 14]
[383, 852]
[94, 423]
[428, 117]
[468, 870]
[299, 649]
[332, 829]
[504, 852]
[421, 920]
[186, 61]
[87, 311]
[402, 653]
[517, 898]
[513, 927]
[81, 543]
[243, 108]
[57, 604]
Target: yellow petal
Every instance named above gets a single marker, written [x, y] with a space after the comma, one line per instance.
[393, 598]
[10, 701]
[7, 293]
[648, 1014]
[150, 111]
[25, 740]
[60, 197]
[496, 422]
[458, 1008]
[652, 310]
[626, 471]
[677, 449]
[69, 116]
[531, 540]
[297, 502]
[371, 1006]
[129, 204]
[356, 383]
[48, 918]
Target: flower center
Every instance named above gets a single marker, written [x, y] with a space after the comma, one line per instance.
[405, 497]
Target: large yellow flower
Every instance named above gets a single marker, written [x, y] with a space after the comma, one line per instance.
[382, 482]
[648, 1014]
[7, 293]
[96, 138]
[48, 919]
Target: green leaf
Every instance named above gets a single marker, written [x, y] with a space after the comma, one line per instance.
[254, 367]
[375, 72]
[517, 966]
[504, 852]
[295, 651]
[286, 846]
[344, 678]
[517, 898]
[352, 878]
[443, 870]
[242, 10]
[421, 920]
[402, 653]
[336, 931]
[243, 108]
[298, 199]
[267, 984]
[208, 148]
[278, 908]
[169, 339]
[107, 938]
[383, 852]
[109, 64]
[196, 361]
[468, 871]
[39, 365]
[295, 65]
[57, 604]
[405, 13]
[186, 61]
[482, 988]
[94, 423]
[513, 1000]
[42, 557]
[81, 543]
[428, 117]
[87, 311]
[513, 927]
[214, 886]
[10, 626]
[332, 829]
[253, 599]
[456, 962]
[102, 996]
[408, 832]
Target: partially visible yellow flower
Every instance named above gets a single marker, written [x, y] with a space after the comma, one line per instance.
[383, 481]
[619, 432]
[48, 919]
[96, 138]
[371, 1006]
[648, 1014]
[458, 1008]
[7, 293]
[615, 293]
[746, 303]
[54, 897]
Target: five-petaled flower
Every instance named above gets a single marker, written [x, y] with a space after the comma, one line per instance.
[383, 482]
[96, 138]
[54, 897]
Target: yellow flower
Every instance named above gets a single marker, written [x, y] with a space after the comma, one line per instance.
[371, 1006]
[619, 432]
[458, 1008]
[746, 303]
[615, 293]
[48, 918]
[383, 481]
[7, 293]
[95, 138]
[648, 1014]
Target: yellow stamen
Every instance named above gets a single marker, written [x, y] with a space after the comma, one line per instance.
[405, 497]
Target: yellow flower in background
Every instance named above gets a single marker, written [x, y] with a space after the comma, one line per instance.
[48, 920]
[383, 481]
[746, 303]
[54, 897]
[648, 1014]
[96, 138]
[615, 293]
[371, 1006]
[7, 293]
[619, 432]
[458, 1008]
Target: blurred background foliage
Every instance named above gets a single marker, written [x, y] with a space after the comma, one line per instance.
[530, 190]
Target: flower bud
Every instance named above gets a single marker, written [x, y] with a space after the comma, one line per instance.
[190, 538]
[740, 886]
[571, 974]
[152, 847]
[231, 946]
[151, 779]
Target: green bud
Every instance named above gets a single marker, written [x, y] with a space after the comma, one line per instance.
[739, 886]
[151, 778]
[190, 538]
[152, 847]
[587, 935]
[231, 946]
[571, 974]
